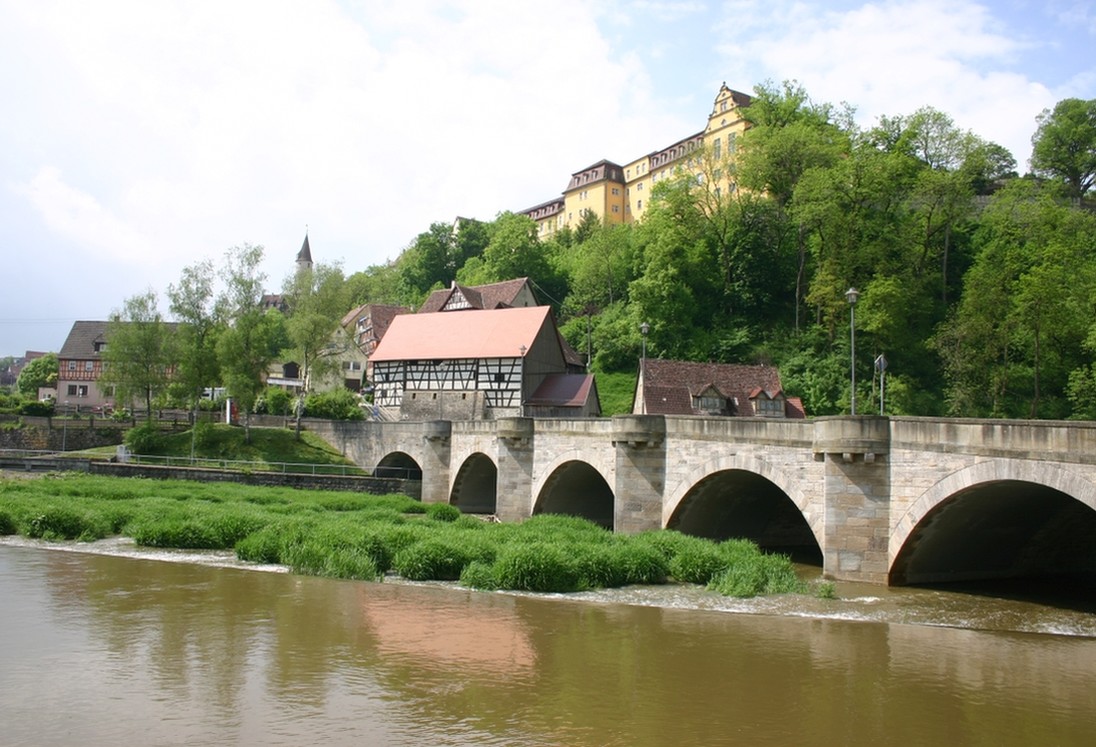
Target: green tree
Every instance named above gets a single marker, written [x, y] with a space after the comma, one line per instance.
[193, 306]
[40, 372]
[316, 299]
[140, 351]
[1064, 145]
[254, 336]
[1022, 326]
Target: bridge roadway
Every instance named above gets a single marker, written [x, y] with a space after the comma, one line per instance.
[884, 500]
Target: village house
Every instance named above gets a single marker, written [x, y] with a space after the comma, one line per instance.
[478, 364]
[732, 390]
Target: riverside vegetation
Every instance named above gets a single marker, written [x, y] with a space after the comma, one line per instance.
[358, 536]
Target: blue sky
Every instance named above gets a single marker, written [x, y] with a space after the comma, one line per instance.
[139, 137]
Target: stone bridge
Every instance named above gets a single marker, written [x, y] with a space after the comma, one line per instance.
[883, 500]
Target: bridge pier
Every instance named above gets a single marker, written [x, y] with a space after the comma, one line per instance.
[514, 495]
[640, 444]
[857, 497]
[437, 437]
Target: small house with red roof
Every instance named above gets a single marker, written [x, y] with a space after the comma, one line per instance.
[478, 364]
[724, 389]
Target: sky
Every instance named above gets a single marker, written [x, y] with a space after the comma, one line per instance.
[137, 138]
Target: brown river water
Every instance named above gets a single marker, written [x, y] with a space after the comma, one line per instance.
[106, 644]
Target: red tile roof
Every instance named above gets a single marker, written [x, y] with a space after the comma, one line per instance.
[495, 333]
[563, 390]
[669, 386]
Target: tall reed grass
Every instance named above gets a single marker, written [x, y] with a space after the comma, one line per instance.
[356, 536]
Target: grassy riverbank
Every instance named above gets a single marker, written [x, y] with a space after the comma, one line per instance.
[353, 535]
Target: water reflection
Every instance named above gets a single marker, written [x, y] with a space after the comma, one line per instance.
[114, 649]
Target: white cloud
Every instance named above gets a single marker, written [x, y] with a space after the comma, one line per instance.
[891, 58]
[78, 216]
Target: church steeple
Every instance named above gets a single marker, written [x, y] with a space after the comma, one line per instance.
[304, 256]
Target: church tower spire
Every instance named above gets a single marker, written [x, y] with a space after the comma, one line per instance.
[304, 256]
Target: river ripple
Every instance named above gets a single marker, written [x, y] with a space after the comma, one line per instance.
[106, 644]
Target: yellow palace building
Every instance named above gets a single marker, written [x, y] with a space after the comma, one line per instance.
[619, 194]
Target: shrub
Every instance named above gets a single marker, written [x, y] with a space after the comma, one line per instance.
[443, 511]
[144, 439]
[435, 559]
[536, 566]
[826, 590]
[35, 407]
[205, 435]
[274, 401]
[338, 404]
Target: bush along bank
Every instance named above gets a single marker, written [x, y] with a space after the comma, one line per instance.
[358, 536]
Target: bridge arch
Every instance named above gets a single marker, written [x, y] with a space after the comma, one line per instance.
[1001, 518]
[573, 486]
[398, 464]
[475, 487]
[766, 505]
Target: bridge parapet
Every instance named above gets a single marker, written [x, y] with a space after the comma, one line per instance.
[639, 430]
[851, 437]
[1064, 441]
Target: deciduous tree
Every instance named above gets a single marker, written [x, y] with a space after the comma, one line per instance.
[139, 352]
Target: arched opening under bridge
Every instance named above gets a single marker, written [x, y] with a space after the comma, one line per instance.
[475, 491]
[399, 465]
[738, 504]
[577, 489]
[1002, 530]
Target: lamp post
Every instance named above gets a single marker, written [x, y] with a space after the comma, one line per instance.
[64, 428]
[852, 296]
[644, 328]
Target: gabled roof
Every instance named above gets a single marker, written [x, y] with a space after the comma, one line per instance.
[80, 343]
[491, 296]
[669, 386]
[564, 390]
[380, 314]
[81, 340]
[494, 333]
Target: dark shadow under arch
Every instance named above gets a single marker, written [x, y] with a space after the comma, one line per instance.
[577, 489]
[1008, 529]
[399, 465]
[475, 491]
[744, 505]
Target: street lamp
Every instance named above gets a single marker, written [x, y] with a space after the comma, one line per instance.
[852, 296]
[644, 328]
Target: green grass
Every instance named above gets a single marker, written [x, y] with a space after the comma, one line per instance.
[358, 536]
[616, 390]
[216, 444]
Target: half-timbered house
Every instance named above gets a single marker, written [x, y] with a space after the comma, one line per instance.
[472, 365]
